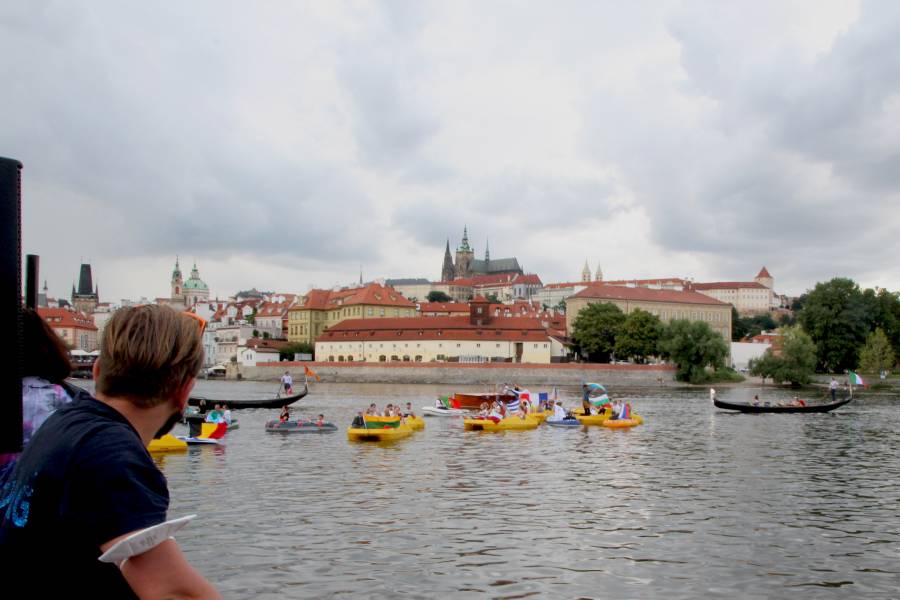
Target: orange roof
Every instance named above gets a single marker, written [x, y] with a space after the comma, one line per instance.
[764, 273]
[62, 318]
[373, 293]
[447, 307]
[727, 285]
[615, 292]
[659, 281]
[434, 328]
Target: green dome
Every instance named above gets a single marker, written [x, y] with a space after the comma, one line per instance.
[195, 284]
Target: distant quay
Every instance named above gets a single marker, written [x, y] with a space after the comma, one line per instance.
[463, 373]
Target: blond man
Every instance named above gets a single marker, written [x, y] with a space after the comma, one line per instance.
[86, 480]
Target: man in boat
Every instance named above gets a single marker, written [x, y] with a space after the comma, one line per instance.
[86, 480]
[409, 410]
[287, 383]
[833, 386]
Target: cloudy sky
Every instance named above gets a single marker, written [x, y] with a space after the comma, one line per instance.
[284, 145]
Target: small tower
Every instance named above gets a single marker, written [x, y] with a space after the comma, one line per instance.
[487, 254]
[764, 279]
[447, 270]
[598, 274]
[177, 283]
[586, 273]
[85, 298]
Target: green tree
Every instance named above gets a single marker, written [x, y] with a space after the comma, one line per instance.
[834, 314]
[878, 354]
[639, 336]
[883, 308]
[256, 333]
[492, 298]
[692, 346]
[288, 351]
[739, 327]
[438, 296]
[794, 362]
[595, 329]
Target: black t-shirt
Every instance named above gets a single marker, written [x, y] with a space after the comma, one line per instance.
[84, 479]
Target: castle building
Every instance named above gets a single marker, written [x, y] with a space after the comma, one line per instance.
[466, 265]
[748, 297]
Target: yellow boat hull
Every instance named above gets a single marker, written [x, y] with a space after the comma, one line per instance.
[376, 434]
[507, 424]
[634, 421]
[167, 443]
[598, 419]
[415, 423]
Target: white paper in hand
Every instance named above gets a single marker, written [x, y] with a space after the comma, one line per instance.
[143, 540]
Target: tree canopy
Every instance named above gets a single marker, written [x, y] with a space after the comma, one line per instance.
[595, 329]
[692, 346]
[877, 355]
[638, 336]
[835, 316]
[438, 296]
[792, 361]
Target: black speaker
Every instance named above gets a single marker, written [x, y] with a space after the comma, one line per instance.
[11, 303]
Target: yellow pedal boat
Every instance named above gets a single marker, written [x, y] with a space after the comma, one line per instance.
[167, 443]
[513, 423]
[415, 423]
[634, 421]
[380, 429]
[598, 419]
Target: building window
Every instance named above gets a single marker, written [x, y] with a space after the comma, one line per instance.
[382, 358]
[418, 358]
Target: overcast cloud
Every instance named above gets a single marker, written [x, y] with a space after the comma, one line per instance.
[285, 145]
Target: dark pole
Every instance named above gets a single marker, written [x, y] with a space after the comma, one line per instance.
[32, 265]
[11, 302]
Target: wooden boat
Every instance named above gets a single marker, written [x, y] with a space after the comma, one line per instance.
[474, 401]
[277, 402]
[770, 408]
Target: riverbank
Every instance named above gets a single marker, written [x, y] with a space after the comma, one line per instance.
[456, 373]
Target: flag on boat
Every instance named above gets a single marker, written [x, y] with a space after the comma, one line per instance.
[543, 396]
[310, 373]
[855, 379]
[600, 400]
[595, 389]
[512, 405]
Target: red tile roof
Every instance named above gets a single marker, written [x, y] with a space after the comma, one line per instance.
[763, 273]
[728, 285]
[372, 294]
[62, 318]
[434, 328]
[264, 343]
[445, 307]
[615, 292]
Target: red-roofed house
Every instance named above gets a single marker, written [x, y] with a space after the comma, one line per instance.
[323, 309]
[474, 338]
[76, 329]
[747, 297]
[668, 305]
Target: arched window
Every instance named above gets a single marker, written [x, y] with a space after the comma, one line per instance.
[382, 358]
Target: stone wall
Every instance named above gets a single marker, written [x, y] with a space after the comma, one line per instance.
[444, 373]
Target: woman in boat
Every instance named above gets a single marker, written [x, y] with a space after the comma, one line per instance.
[523, 410]
[320, 420]
[496, 413]
[559, 413]
[285, 415]
[372, 411]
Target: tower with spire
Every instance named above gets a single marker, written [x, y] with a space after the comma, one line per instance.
[177, 284]
[598, 274]
[448, 273]
[86, 297]
[464, 256]
[586, 273]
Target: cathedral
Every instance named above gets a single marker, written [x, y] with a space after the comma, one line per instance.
[186, 294]
[466, 265]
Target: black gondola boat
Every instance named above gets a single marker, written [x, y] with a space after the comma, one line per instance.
[770, 408]
[277, 402]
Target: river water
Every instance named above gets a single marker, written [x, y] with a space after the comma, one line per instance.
[695, 503]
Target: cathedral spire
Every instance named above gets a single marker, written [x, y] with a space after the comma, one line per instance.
[586, 272]
[447, 270]
[598, 274]
[487, 250]
[464, 245]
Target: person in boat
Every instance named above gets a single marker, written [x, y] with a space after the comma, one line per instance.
[94, 480]
[226, 414]
[484, 409]
[372, 411]
[559, 413]
[46, 366]
[388, 410]
[359, 421]
[287, 382]
[616, 409]
[833, 386]
[409, 410]
[285, 415]
[755, 400]
[215, 415]
[798, 402]
[496, 412]
[201, 407]
[320, 420]
[522, 413]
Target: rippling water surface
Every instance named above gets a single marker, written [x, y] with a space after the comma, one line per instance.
[695, 503]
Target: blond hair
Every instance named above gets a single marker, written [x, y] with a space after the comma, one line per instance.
[147, 353]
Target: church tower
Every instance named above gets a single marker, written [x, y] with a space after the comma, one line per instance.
[586, 273]
[598, 274]
[447, 271]
[195, 289]
[177, 284]
[464, 256]
[764, 279]
[86, 297]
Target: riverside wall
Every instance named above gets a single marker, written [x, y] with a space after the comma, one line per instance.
[456, 373]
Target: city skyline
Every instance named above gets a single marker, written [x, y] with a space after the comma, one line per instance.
[284, 147]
